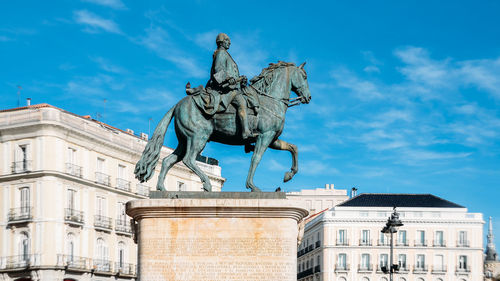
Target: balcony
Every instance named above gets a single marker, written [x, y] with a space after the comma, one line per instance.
[102, 266]
[365, 268]
[404, 268]
[363, 242]
[343, 242]
[403, 243]
[305, 273]
[439, 243]
[123, 227]
[317, 269]
[463, 243]
[73, 216]
[102, 223]
[101, 178]
[439, 269]
[74, 170]
[420, 243]
[462, 269]
[383, 243]
[318, 244]
[123, 184]
[342, 267]
[142, 189]
[420, 269]
[125, 269]
[20, 262]
[21, 166]
[73, 263]
[20, 215]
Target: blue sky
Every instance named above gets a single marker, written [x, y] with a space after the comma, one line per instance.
[405, 94]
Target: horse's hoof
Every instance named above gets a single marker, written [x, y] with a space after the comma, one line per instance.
[256, 189]
[160, 188]
[288, 176]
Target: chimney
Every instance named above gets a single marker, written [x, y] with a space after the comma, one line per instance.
[28, 101]
[130, 131]
[353, 192]
[144, 136]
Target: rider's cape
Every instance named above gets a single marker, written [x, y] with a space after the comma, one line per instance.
[211, 102]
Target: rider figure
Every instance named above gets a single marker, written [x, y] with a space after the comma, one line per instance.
[225, 78]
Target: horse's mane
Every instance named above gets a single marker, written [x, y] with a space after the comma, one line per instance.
[267, 74]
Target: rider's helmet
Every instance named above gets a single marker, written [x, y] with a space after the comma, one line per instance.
[221, 37]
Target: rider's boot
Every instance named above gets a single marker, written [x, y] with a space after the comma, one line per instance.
[242, 113]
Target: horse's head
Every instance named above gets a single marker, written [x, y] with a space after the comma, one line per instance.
[298, 77]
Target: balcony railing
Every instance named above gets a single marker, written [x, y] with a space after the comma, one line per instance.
[363, 242]
[123, 184]
[21, 166]
[142, 189]
[318, 244]
[125, 268]
[438, 269]
[73, 262]
[73, 216]
[404, 243]
[20, 214]
[317, 269]
[365, 268]
[383, 243]
[404, 268]
[103, 266]
[420, 269]
[74, 170]
[420, 243]
[439, 243]
[342, 267]
[344, 242]
[102, 222]
[102, 178]
[463, 243]
[305, 273]
[20, 262]
[463, 269]
[123, 226]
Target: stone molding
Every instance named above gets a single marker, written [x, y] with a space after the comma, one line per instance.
[216, 208]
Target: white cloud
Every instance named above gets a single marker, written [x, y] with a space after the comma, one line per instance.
[362, 89]
[115, 4]
[94, 23]
[206, 40]
[106, 65]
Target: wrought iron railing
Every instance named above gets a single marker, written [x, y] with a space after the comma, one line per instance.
[420, 268]
[101, 265]
[365, 267]
[342, 242]
[102, 178]
[342, 267]
[74, 170]
[72, 215]
[73, 262]
[439, 243]
[20, 261]
[142, 189]
[463, 243]
[438, 269]
[420, 243]
[123, 184]
[20, 214]
[125, 268]
[365, 242]
[21, 166]
[102, 222]
[123, 226]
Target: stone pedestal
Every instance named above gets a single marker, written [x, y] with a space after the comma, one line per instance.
[210, 239]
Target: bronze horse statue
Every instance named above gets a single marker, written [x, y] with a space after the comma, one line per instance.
[194, 129]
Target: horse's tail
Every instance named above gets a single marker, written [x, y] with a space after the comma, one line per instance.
[144, 169]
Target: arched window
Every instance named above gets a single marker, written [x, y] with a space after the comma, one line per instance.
[420, 279]
[365, 279]
[101, 262]
[70, 248]
[24, 246]
[402, 279]
[383, 279]
[342, 279]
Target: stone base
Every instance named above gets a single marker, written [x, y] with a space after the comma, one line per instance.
[217, 239]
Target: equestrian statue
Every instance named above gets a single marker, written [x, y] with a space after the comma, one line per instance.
[229, 110]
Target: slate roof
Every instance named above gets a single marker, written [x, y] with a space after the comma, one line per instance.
[398, 200]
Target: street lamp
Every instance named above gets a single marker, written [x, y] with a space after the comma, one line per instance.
[391, 227]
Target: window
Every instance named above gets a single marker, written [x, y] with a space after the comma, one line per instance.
[71, 155]
[24, 246]
[439, 262]
[382, 239]
[121, 171]
[402, 261]
[100, 206]
[420, 238]
[365, 237]
[462, 238]
[101, 262]
[365, 261]
[24, 199]
[181, 186]
[122, 216]
[342, 261]
[70, 203]
[402, 237]
[420, 262]
[342, 237]
[462, 262]
[70, 248]
[100, 165]
[121, 254]
[21, 163]
[439, 239]
[384, 260]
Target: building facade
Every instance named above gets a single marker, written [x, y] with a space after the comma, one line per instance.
[64, 182]
[319, 199]
[439, 241]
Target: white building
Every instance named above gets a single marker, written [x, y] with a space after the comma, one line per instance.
[64, 182]
[319, 199]
[440, 241]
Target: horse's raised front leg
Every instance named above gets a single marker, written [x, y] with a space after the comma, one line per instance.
[283, 145]
[193, 147]
[168, 162]
[261, 145]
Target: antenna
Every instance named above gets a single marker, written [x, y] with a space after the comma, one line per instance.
[19, 88]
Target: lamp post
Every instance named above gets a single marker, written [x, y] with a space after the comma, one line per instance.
[391, 227]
